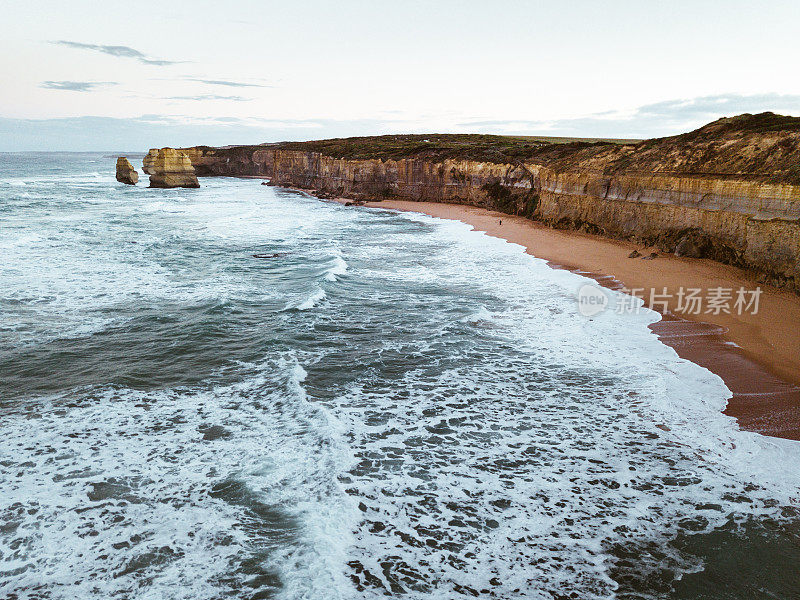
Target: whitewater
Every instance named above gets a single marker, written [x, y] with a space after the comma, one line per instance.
[244, 392]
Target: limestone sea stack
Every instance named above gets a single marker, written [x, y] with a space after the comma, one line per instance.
[125, 171]
[148, 160]
[169, 168]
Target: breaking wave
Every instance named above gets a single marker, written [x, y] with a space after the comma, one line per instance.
[240, 391]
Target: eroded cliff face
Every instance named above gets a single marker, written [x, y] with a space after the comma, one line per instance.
[169, 168]
[748, 224]
[233, 161]
[729, 191]
[125, 172]
[501, 186]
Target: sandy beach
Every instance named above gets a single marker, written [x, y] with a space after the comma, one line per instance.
[756, 354]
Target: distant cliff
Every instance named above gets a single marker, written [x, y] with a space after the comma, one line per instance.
[231, 161]
[729, 191]
[169, 168]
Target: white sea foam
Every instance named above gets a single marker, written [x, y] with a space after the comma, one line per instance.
[86, 265]
[141, 479]
[13, 182]
[467, 428]
[339, 267]
[317, 296]
[512, 480]
[481, 315]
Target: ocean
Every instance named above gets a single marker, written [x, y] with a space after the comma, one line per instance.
[242, 391]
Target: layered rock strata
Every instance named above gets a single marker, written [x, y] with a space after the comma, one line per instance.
[231, 161]
[729, 191]
[125, 172]
[169, 168]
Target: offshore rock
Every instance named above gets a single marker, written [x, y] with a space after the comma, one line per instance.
[169, 168]
[125, 172]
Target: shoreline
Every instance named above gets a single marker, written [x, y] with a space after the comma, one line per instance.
[756, 355]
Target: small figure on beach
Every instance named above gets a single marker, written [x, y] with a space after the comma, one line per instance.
[501, 221]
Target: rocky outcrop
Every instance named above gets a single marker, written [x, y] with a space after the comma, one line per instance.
[169, 168]
[125, 172]
[747, 224]
[148, 160]
[231, 161]
[729, 191]
[506, 187]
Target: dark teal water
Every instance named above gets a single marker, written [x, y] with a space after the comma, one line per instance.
[244, 392]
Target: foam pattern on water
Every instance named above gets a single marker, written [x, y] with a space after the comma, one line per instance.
[541, 452]
[172, 494]
[252, 394]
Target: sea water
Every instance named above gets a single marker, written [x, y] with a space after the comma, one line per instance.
[244, 392]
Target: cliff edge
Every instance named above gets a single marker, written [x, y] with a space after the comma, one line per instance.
[729, 191]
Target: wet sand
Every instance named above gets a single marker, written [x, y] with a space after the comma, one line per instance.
[757, 355]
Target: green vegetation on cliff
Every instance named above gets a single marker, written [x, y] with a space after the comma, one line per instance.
[482, 147]
[708, 193]
[763, 147]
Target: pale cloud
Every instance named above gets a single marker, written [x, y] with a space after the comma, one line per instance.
[651, 120]
[226, 83]
[75, 86]
[140, 133]
[149, 131]
[118, 51]
[204, 97]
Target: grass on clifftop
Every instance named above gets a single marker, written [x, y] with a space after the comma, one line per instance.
[440, 146]
[763, 147]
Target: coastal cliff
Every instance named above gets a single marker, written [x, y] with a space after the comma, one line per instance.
[169, 168]
[729, 191]
[231, 161]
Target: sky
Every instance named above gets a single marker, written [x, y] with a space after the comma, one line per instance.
[85, 75]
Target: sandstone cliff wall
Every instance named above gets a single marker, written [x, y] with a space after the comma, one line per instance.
[504, 186]
[169, 168]
[234, 161]
[745, 223]
[750, 225]
[735, 219]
